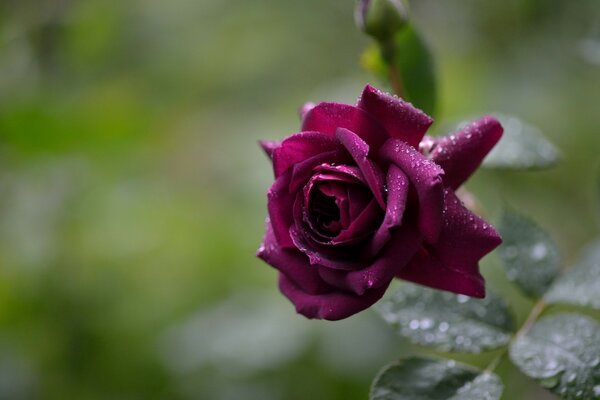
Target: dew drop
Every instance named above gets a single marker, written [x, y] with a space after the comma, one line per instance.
[443, 327]
[539, 251]
[425, 323]
[461, 298]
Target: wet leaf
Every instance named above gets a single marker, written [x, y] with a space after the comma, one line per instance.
[563, 353]
[448, 322]
[529, 254]
[522, 147]
[581, 284]
[420, 378]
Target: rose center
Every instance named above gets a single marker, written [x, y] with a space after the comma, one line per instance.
[325, 213]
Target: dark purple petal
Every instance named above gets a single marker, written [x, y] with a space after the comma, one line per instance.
[332, 306]
[453, 262]
[401, 119]
[279, 203]
[365, 223]
[302, 171]
[344, 170]
[300, 147]
[321, 255]
[460, 154]
[269, 146]
[397, 185]
[398, 252]
[426, 177]
[292, 264]
[328, 117]
[359, 150]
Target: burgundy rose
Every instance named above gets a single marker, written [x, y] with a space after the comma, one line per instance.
[360, 197]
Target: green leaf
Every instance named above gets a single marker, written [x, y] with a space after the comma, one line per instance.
[529, 254]
[522, 146]
[420, 378]
[448, 322]
[581, 284]
[563, 353]
[412, 68]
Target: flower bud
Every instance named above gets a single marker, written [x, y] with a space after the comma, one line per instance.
[381, 18]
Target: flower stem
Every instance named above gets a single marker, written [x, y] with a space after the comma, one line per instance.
[388, 52]
[534, 314]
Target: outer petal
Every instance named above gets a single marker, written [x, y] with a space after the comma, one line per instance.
[426, 177]
[328, 117]
[452, 263]
[359, 150]
[399, 251]
[460, 154]
[331, 306]
[299, 147]
[293, 264]
[397, 185]
[279, 203]
[269, 146]
[401, 119]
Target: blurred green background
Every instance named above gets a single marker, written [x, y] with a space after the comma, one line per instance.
[132, 191]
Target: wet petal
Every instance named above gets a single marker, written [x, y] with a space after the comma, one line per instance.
[400, 119]
[398, 185]
[279, 203]
[398, 252]
[324, 255]
[332, 306]
[300, 147]
[302, 171]
[328, 117]
[461, 154]
[365, 223]
[359, 150]
[453, 263]
[426, 177]
[292, 263]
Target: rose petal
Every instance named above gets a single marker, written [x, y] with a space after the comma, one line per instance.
[398, 252]
[269, 146]
[300, 147]
[359, 150]
[328, 117]
[323, 255]
[397, 185]
[426, 177]
[331, 306]
[362, 225]
[302, 171]
[452, 263]
[279, 203]
[460, 154]
[292, 263]
[401, 119]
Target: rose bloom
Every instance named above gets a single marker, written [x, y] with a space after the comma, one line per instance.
[362, 196]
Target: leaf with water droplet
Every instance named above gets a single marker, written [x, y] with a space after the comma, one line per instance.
[423, 378]
[448, 322]
[562, 352]
[528, 253]
[522, 146]
[581, 284]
